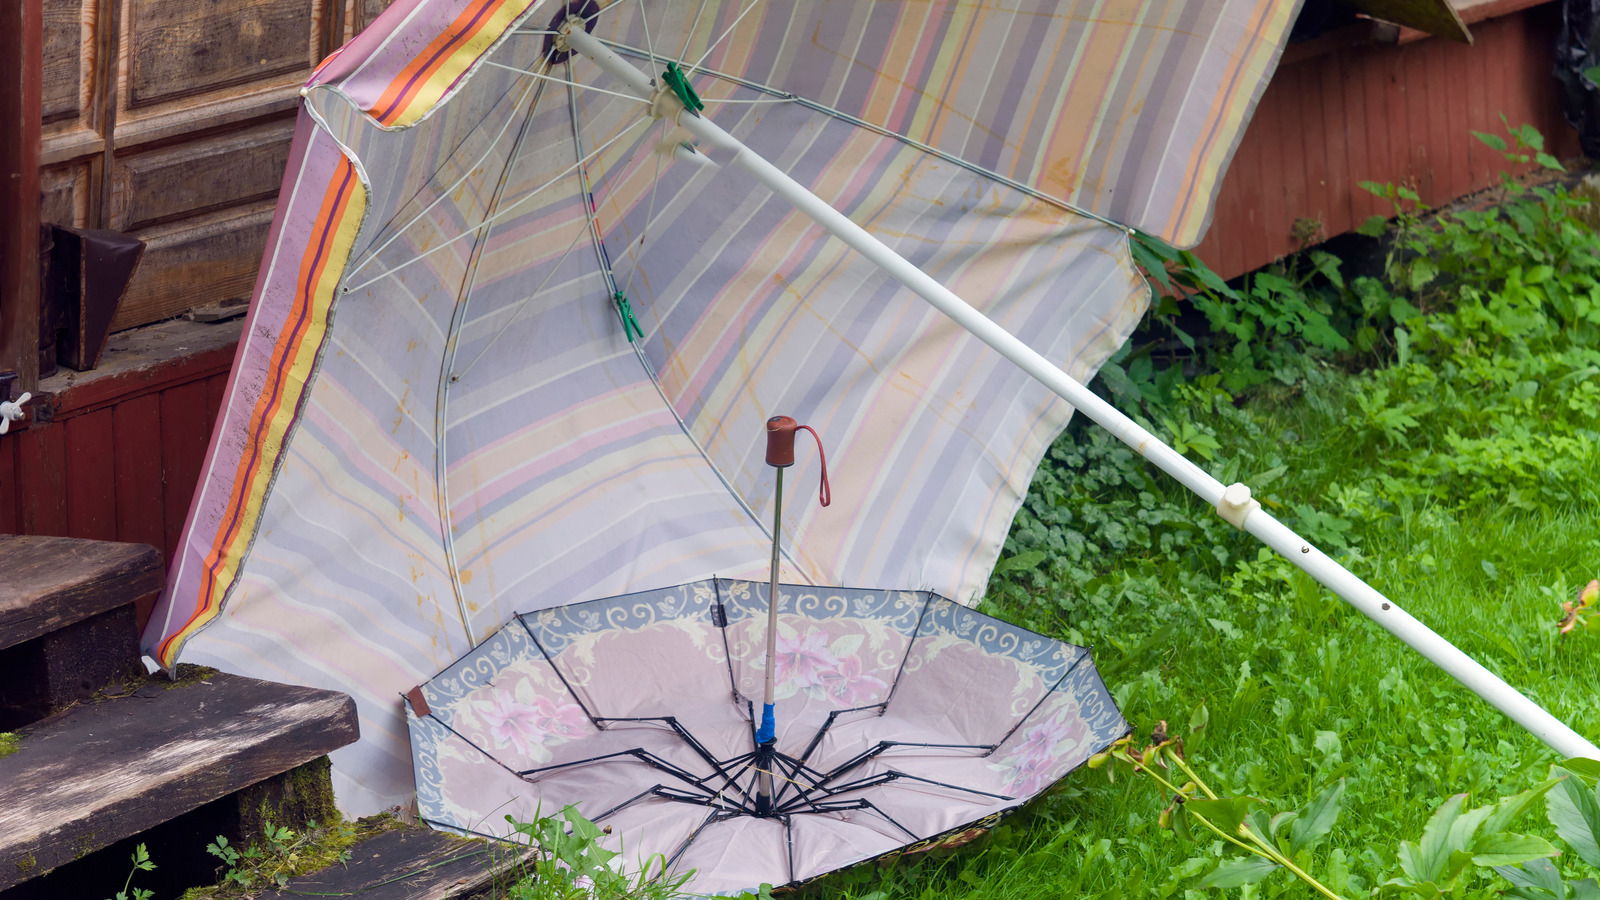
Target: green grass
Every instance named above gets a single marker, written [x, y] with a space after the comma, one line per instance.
[1437, 429]
[1300, 689]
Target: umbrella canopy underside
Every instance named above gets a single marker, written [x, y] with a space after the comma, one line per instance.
[440, 415]
[901, 716]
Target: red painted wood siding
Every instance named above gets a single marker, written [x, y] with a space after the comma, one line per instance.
[120, 457]
[1398, 114]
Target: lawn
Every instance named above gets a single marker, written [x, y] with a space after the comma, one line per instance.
[1436, 427]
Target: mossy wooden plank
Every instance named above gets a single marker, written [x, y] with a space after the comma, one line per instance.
[100, 772]
[52, 582]
[412, 864]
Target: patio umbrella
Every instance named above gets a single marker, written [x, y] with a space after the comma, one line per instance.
[540, 271]
[901, 717]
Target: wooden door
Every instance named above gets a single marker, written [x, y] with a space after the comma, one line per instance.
[170, 120]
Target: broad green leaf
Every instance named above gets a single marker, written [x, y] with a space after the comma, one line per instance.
[1413, 862]
[1578, 765]
[1227, 813]
[1509, 808]
[1374, 227]
[1316, 818]
[1465, 828]
[1574, 811]
[1429, 857]
[1493, 140]
[1180, 823]
[1586, 889]
[1539, 874]
[1505, 849]
[1151, 263]
[1199, 718]
[1423, 271]
[1421, 888]
[1236, 872]
[1260, 823]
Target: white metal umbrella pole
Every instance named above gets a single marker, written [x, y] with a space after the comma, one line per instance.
[1232, 502]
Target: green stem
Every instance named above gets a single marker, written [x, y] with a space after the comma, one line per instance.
[1193, 776]
[1269, 853]
[1266, 850]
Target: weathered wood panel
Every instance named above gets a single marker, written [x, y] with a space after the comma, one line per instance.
[52, 582]
[66, 192]
[62, 82]
[180, 48]
[1401, 114]
[192, 265]
[152, 187]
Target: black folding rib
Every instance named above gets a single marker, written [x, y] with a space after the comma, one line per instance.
[1046, 696]
[557, 669]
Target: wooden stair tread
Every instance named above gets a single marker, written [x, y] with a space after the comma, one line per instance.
[99, 772]
[48, 583]
[411, 864]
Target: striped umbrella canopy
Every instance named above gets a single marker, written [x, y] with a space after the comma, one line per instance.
[514, 337]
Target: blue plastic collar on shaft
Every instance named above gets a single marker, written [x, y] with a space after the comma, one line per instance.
[769, 725]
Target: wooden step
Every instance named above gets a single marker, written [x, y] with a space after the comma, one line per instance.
[413, 863]
[67, 619]
[49, 583]
[102, 771]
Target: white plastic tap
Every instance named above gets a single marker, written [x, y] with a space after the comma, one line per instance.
[11, 411]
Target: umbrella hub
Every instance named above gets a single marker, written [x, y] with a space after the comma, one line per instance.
[578, 14]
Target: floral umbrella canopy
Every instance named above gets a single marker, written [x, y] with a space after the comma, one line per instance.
[902, 716]
[514, 337]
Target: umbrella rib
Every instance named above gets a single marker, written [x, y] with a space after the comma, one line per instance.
[628, 802]
[721, 37]
[727, 652]
[457, 316]
[522, 306]
[826, 110]
[715, 815]
[593, 720]
[788, 839]
[816, 740]
[894, 685]
[1059, 681]
[494, 218]
[611, 284]
[683, 734]
[892, 820]
[649, 217]
[688, 36]
[575, 84]
[447, 192]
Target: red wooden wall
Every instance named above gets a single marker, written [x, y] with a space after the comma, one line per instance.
[1336, 114]
[119, 458]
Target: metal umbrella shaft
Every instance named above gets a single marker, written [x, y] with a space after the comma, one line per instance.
[1232, 502]
[766, 737]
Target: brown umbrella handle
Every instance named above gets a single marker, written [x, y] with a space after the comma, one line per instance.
[780, 450]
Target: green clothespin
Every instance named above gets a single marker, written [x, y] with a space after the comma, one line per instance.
[676, 80]
[630, 325]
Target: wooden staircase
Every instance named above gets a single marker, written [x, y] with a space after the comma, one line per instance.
[105, 756]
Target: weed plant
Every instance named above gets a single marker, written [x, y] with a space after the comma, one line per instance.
[1436, 427]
